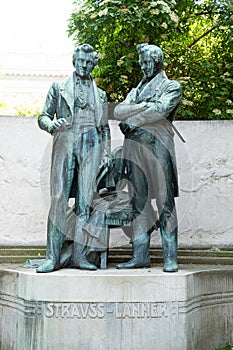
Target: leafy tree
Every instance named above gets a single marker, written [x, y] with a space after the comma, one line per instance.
[196, 37]
[203, 60]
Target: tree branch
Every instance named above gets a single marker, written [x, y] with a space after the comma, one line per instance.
[202, 36]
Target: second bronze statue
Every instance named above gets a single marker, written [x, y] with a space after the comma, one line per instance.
[146, 118]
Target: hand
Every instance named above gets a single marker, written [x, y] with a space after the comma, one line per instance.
[107, 160]
[59, 124]
[125, 129]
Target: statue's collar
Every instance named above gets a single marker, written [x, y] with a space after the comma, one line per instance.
[147, 89]
[155, 79]
[82, 81]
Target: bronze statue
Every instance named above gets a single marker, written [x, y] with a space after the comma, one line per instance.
[146, 117]
[81, 141]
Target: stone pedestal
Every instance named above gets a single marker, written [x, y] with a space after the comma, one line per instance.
[102, 310]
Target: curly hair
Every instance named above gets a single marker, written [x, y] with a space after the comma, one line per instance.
[87, 48]
[154, 51]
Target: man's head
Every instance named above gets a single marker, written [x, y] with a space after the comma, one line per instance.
[85, 59]
[150, 59]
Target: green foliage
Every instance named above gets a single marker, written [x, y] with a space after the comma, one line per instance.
[196, 37]
[30, 108]
[203, 61]
[228, 347]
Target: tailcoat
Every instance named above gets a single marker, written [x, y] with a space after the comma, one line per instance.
[149, 151]
[78, 149]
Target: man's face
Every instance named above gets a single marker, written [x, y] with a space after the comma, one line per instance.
[84, 64]
[148, 65]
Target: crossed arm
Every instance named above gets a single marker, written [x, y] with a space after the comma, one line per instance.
[137, 115]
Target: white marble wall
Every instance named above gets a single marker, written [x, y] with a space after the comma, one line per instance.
[205, 166]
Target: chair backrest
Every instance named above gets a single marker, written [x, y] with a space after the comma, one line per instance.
[113, 174]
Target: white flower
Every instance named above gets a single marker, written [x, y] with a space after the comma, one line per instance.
[93, 15]
[166, 8]
[174, 18]
[114, 95]
[187, 103]
[183, 78]
[228, 102]
[230, 80]
[104, 2]
[103, 12]
[160, 2]
[216, 111]
[229, 111]
[164, 25]
[154, 11]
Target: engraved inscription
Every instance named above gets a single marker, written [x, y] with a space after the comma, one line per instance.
[141, 310]
[75, 310]
[113, 310]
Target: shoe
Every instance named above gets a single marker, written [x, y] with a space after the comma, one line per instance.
[169, 244]
[47, 266]
[133, 264]
[79, 260]
[141, 255]
[170, 266]
[84, 264]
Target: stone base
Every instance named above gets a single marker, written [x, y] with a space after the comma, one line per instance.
[116, 309]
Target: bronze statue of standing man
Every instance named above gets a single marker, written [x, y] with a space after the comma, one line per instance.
[81, 140]
[146, 117]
